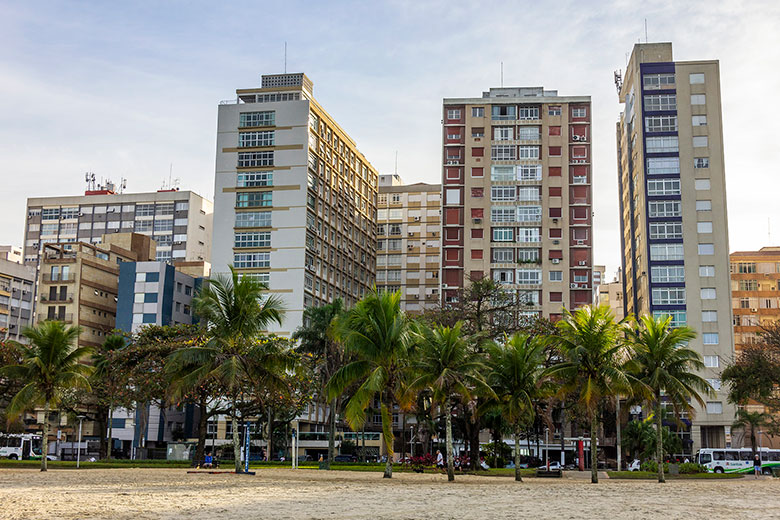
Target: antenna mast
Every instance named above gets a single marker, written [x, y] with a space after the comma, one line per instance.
[502, 74]
[645, 30]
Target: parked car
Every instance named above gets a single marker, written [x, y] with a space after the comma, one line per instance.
[345, 458]
[554, 466]
[634, 466]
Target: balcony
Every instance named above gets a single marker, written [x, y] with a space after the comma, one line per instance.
[58, 298]
[59, 278]
[65, 318]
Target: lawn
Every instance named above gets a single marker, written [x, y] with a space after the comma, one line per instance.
[650, 475]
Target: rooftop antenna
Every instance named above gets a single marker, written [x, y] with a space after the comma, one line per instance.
[285, 57]
[502, 74]
[122, 184]
[645, 30]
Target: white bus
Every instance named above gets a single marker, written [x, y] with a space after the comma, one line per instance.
[732, 460]
[21, 446]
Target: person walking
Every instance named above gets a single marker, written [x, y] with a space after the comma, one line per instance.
[439, 460]
[756, 465]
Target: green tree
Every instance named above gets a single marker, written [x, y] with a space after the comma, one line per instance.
[445, 365]
[50, 365]
[664, 365]
[235, 310]
[316, 337]
[750, 422]
[517, 375]
[376, 332]
[592, 369]
[105, 380]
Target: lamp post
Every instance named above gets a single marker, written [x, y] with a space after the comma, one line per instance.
[546, 449]
[78, 446]
[759, 445]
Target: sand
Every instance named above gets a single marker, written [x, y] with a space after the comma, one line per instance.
[282, 493]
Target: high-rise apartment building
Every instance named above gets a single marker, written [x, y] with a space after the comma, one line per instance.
[517, 196]
[611, 295]
[409, 241]
[295, 201]
[17, 282]
[755, 300]
[674, 228]
[178, 221]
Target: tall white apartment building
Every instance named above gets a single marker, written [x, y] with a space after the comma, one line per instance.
[295, 200]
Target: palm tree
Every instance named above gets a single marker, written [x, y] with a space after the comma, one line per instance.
[445, 365]
[664, 365]
[51, 364]
[316, 338]
[517, 375]
[235, 310]
[594, 353]
[376, 332]
[753, 421]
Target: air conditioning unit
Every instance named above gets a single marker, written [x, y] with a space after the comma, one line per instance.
[476, 221]
[583, 262]
[555, 220]
[433, 233]
[575, 138]
[555, 260]
[573, 285]
[753, 310]
[580, 242]
[416, 296]
[417, 219]
[410, 246]
[411, 234]
[556, 242]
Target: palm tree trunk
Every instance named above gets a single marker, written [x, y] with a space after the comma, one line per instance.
[200, 451]
[110, 430]
[331, 434]
[594, 461]
[450, 462]
[236, 446]
[363, 451]
[518, 478]
[270, 442]
[659, 439]
[45, 438]
[387, 431]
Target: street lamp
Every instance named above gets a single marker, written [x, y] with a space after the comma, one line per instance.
[546, 449]
[78, 446]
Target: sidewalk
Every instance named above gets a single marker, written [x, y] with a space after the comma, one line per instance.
[583, 475]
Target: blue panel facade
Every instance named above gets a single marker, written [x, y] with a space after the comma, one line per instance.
[125, 296]
[167, 286]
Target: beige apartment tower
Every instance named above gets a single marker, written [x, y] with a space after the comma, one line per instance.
[295, 200]
[517, 196]
[674, 226]
[409, 242]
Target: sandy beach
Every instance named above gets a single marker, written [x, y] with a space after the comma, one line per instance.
[282, 493]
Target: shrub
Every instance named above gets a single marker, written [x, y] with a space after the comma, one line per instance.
[652, 466]
[691, 468]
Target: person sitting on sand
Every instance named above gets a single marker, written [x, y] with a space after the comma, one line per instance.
[208, 460]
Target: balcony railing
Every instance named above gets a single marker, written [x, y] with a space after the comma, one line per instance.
[65, 318]
[58, 278]
[61, 298]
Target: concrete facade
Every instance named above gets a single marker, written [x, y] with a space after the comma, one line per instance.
[517, 196]
[409, 241]
[17, 289]
[673, 211]
[295, 200]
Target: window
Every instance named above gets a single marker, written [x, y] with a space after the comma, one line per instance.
[502, 193]
[253, 219]
[714, 407]
[529, 194]
[504, 153]
[503, 275]
[502, 173]
[664, 208]
[249, 139]
[699, 120]
[253, 239]
[696, 77]
[503, 113]
[453, 114]
[143, 226]
[746, 267]
[453, 196]
[554, 110]
[478, 172]
[50, 214]
[477, 132]
[529, 172]
[700, 141]
[715, 384]
[503, 234]
[248, 119]
[703, 205]
[701, 162]
[667, 274]
[255, 159]
[663, 187]
[712, 361]
[528, 113]
[503, 214]
[528, 152]
[529, 133]
[529, 276]
[250, 260]
[661, 124]
[661, 165]
[144, 210]
[554, 151]
[477, 112]
[163, 225]
[698, 99]
[556, 276]
[704, 227]
[709, 316]
[579, 112]
[662, 144]
[706, 271]
[708, 293]
[710, 338]
[662, 252]
[668, 296]
[253, 199]
[658, 81]
[706, 249]
[529, 213]
[250, 179]
[748, 285]
[503, 255]
[702, 184]
[529, 235]
[659, 102]
[679, 318]
[503, 133]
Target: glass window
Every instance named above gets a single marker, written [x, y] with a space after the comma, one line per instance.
[249, 179]
[706, 249]
[679, 318]
[529, 235]
[249, 139]
[503, 255]
[556, 276]
[253, 219]
[704, 227]
[658, 81]
[662, 144]
[661, 124]
[528, 172]
[528, 113]
[661, 165]
[503, 214]
[701, 162]
[656, 187]
[502, 193]
[529, 213]
[716, 407]
[667, 274]
[528, 152]
[502, 173]
[706, 270]
[503, 112]
[477, 112]
[700, 141]
[248, 119]
[529, 276]
[503, 133]
[702, 184]
[699, 120]
[250, 260]
[703, 205]
[503, 234]
[708, 293]
[255, 159]
[698, 99]
[664, 208]
[253, 239]
[254, 199]
[712, 361]
[504, 152]
[659, 102]
[710, 338]
[144, 210]
[554, 110]
[668, 296]
[709, 316]
[696, 77]
[662, 230]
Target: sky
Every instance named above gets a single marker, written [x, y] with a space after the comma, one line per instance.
[130, 89]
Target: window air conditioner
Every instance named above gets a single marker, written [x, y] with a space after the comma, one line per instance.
[573, 285]
[580, 242]
[476, 220]
[583, 262]
[555, 260]
[556, 242]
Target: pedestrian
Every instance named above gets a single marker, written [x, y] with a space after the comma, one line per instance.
[439, 460]
[756, 465]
